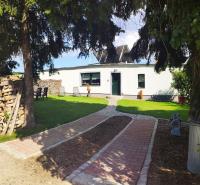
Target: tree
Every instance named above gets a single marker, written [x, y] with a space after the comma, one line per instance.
[171, 33]
[24, 29]
[42, 30]
[6, 67]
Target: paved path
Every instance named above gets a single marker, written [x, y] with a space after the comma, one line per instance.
[121, 161]
[37, 143]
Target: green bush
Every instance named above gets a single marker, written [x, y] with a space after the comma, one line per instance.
[182, 83]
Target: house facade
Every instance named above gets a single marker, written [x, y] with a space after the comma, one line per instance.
[126, 80]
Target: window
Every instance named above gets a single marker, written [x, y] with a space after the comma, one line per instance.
[141, 81]
[90, 78]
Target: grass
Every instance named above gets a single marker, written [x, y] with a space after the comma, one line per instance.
[55, 111]
[152, 108]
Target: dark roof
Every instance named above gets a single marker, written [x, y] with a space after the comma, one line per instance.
[121, 55]
[110, 65]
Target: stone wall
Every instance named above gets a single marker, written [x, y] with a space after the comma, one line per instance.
[9, 86]
[54, 86]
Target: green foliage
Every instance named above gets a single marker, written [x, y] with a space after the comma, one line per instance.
[58, 26]
[171, 33]
[6, 67]
[182, 83]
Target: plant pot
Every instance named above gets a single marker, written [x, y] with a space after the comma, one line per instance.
[181, 100]
[140, 95]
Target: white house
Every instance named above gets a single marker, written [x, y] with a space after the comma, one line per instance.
[123, 79]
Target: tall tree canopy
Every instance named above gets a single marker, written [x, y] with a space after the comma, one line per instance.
[42, 30]
[24, 29]
[172, 34]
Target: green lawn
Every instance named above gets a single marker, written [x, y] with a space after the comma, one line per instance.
[56, 110]
[156, 109]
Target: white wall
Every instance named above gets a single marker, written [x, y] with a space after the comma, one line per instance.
[129, 79]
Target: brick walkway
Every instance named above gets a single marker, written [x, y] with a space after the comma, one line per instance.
[36, 144]
[121, 161]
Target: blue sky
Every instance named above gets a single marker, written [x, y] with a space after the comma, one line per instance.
[71, 59]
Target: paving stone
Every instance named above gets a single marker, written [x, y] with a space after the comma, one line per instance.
[119, 162]
[122, 161]
[38, 143]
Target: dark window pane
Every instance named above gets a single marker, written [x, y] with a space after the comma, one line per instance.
[141, 81]
[85, 78]
[90, 78]
[95, 78]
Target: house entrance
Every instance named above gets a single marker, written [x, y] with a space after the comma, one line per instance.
[116, 84]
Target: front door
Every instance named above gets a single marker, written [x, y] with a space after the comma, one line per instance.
[116, 83]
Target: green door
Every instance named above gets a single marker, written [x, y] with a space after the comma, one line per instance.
[116, 79]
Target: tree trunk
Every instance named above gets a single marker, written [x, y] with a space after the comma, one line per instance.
[28, 74]
[194, 116]
[193, 150]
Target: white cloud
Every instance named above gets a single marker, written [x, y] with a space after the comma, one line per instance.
[127, 38]
[131, 27]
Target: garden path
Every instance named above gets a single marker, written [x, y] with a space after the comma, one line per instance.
[20, 148]
[125, 160]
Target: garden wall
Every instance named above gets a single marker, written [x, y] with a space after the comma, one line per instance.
[54, 86]
[9, 87]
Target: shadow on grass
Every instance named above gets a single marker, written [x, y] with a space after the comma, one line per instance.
[67, 157]
[55, 111]
[158, 113]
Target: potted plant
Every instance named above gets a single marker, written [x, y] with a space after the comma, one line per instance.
[182, 84]
[140, 95]
[181, 98]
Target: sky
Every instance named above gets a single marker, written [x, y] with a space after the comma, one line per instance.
[70, 59]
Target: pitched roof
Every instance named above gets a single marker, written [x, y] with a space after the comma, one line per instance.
[102, 56]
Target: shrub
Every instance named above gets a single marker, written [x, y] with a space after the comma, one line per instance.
[182, 83]
[166, 95]
[162, 97]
